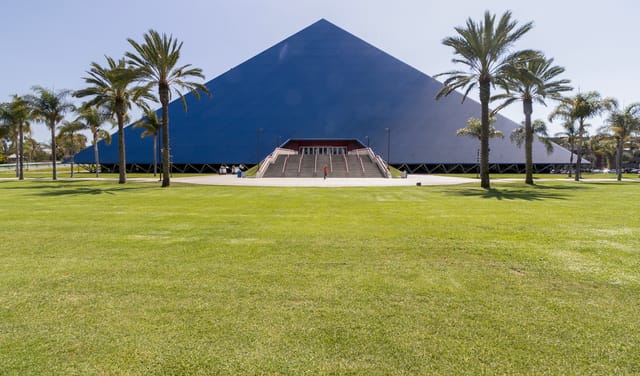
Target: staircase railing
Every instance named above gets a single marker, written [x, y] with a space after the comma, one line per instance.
[271, 159]
[300, 163]
[382, 166]
[346, 163]
[361, 164]
[284, 165]
[315, 165]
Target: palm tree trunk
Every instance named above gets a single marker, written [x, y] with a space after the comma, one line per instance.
[53, 150]
[485, 94]
[71, 152]
[21, 151]
[14, 142]
[619, 159]
[572, 147]
[155, 154]
[96, 155]
[166, 149]
[528, 141]
[579, 151]
[122, 177]
[571, 158]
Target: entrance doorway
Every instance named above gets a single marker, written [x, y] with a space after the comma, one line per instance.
[322, 150]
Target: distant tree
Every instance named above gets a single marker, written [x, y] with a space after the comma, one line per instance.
[50, 107]
[485, 48]
[622, 123]
[5, 132]
[35, 150]
[15, 116]
[157, 59]
[112, 87]
[539, 130]
[151, 124]
[603, 150]
[580, 108]
[92, 119]
[72, 141]
[569, 136]
[529, 81]
[474, 129]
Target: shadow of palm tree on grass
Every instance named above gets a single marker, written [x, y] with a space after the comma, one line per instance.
[81, 191]
[536, 193]
[70, 187]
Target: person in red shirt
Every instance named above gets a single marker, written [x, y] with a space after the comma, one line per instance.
[324, 170]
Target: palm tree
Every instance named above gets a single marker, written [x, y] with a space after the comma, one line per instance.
[474, 129]
[112, 88]
[484, 48]
[570, 135]
[15, 115]
[157, 59]
[151, 125]
[581, 107]
[92, 119]
[68, 130]
[622, 124]
[603, 148]
[529, 81]
[33, 149]
[50, 106]
[539, 129]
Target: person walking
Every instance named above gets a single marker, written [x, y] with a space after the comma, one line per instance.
[324, 170]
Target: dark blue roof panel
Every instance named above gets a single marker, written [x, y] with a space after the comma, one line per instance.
[322, 82]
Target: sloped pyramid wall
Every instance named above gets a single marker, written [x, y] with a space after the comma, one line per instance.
[323, 82]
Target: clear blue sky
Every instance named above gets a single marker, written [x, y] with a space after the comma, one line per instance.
[52, 43]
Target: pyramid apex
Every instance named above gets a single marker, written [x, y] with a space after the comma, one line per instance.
[323, 21]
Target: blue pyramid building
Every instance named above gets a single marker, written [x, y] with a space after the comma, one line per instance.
[324, 83]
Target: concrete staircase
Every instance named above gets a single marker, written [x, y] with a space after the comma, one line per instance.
[275, 170]
[339, 166]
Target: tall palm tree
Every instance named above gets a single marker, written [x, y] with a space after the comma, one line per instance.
[157, 59]
[15, 115]
[151, 124]
[69, 130]
[623, 123]
[581, 107]
[112, 87]
[50, 106]
[92, 119]
[529, 81]
[484, 48]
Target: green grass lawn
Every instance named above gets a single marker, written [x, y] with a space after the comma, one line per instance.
[101, 278]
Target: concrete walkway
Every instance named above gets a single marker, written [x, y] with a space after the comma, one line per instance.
[411, 180]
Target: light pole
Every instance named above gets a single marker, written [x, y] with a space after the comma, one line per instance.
[388, 146]
[258, 146]
[367, 138]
